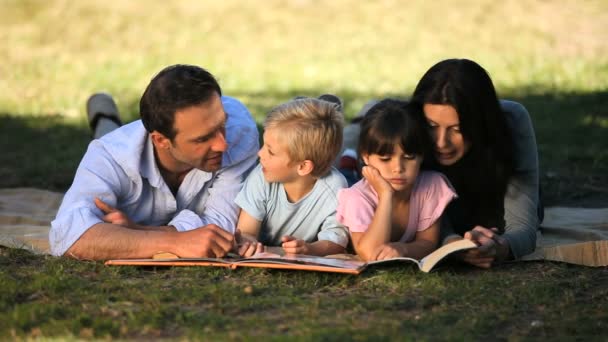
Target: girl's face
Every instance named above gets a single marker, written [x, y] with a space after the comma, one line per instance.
[399, 168]
[450, 145]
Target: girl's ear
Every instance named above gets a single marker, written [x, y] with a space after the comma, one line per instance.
[365, 158]
[160, 141]
[305, 167]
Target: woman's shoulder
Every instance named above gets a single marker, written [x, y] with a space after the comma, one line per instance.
[517, 117]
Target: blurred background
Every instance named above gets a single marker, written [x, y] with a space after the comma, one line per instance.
[550, 55]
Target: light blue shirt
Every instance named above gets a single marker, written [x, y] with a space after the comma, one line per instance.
[121, 170]
[311, 218]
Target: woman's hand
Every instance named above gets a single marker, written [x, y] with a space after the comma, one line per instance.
[492, 247]
[381, 185]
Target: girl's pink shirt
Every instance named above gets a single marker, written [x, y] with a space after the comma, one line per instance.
[432, 192]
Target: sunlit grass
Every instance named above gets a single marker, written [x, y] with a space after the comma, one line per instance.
[60, 51]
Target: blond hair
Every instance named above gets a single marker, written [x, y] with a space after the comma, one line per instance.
[311, 129]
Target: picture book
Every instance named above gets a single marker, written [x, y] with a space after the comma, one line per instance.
[343, 263]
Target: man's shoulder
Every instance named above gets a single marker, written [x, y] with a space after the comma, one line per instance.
[238, 113]
[124, 145]
[242, 133]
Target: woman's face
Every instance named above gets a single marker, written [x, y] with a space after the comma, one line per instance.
[444, 125]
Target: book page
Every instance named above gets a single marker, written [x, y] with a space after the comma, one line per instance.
[427, 263]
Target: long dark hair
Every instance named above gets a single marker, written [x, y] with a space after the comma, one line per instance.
[391, 122]
[481, 176]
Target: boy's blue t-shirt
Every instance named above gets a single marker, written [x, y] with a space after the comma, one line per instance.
[312, 218]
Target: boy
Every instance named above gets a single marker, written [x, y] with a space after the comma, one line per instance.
[290, 199]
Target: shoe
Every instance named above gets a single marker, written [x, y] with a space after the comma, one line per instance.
[101, 105]
[333, 99]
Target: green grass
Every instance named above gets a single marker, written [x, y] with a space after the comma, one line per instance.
[46, 296]
[550, 55]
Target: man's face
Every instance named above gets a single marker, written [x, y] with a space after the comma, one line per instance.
[201, 137]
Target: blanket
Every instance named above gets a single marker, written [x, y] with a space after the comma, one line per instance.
[574, 235]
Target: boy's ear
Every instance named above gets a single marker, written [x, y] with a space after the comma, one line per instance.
[160, 141]
[305, 167]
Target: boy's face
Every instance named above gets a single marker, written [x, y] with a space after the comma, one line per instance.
[276, 163]
[399, 169]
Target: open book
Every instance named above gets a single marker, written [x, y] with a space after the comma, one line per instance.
[342, 264]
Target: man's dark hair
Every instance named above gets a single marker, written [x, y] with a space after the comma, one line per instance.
[175, 88]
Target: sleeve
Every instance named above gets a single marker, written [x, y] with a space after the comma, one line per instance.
[331, 229]
[436, 194]
[221, 208]
[334, 231]
[254, 195]
[355, 211]
[522, 196]
[98, 175]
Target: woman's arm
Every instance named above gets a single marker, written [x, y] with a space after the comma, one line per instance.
[522, 196]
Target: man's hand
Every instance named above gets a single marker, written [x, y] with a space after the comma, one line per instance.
[389, 250]
[247, 244]
[208, 241]
[492, 247]
[114, 216]
[292, 245]
[381, 185]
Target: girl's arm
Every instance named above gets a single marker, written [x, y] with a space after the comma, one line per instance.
[379, 231]
[424, 244]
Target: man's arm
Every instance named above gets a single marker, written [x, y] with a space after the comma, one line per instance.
[107, 241]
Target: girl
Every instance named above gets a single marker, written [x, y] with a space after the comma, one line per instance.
[395, 209]
[487, 150]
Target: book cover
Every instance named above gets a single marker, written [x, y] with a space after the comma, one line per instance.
[349, 264]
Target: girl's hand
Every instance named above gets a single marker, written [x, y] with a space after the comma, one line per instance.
[381, 185]
[492, 247]
[389, 251]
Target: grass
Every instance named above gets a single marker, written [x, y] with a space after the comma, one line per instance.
[552, 56]
[56, 297]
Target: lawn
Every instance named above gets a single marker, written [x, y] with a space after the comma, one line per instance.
[552, 56]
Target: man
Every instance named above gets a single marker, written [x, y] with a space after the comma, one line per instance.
[165, 183]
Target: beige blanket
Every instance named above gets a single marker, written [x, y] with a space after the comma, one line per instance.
[575, 235]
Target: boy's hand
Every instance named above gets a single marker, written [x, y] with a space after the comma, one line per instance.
[381, 185]
[292, 245]
[247, 245]
[113, 215]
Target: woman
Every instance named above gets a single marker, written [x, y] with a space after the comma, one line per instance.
[487, 149]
